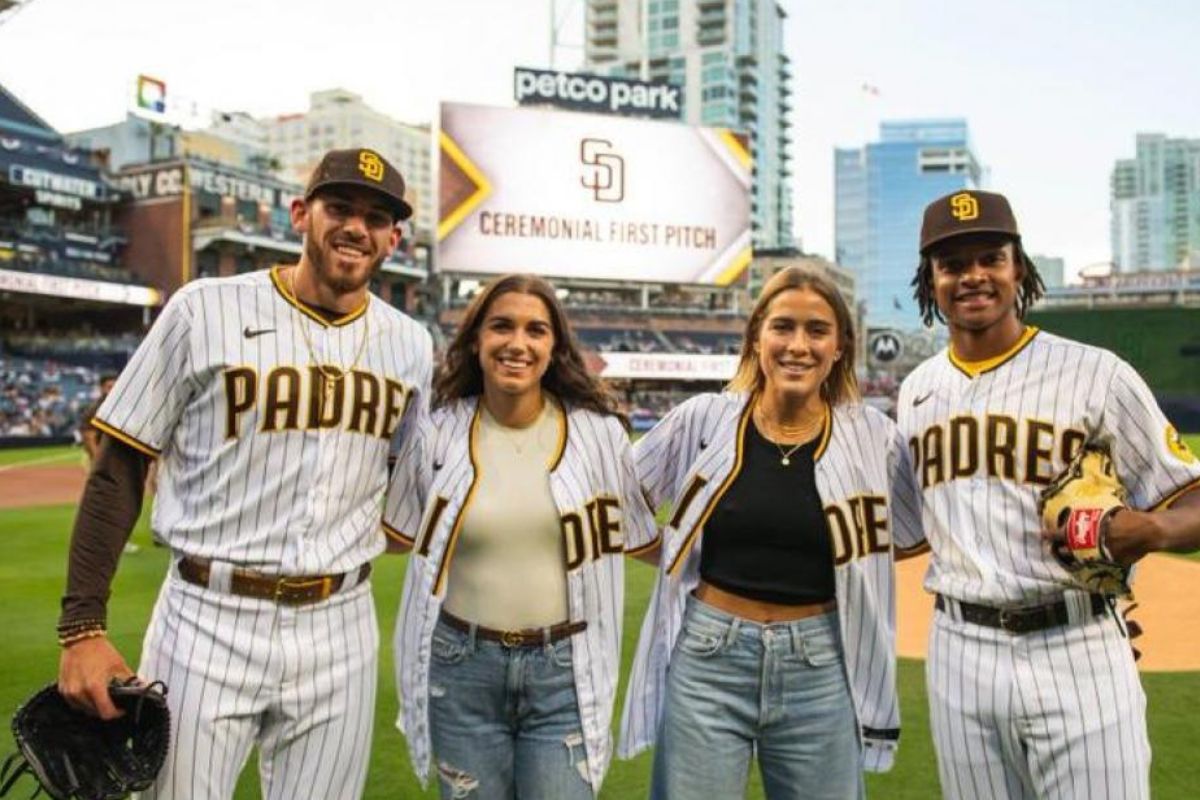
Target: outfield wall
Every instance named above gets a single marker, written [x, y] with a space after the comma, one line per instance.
[1163, 344]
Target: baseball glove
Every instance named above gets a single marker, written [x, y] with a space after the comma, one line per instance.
[1080, 502]
[76, 756]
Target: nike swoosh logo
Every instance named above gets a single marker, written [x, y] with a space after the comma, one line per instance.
[918, 400]
[250, 333]
[437, 465]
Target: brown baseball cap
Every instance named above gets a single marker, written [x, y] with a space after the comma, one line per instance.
[967, 211]
[361, 167]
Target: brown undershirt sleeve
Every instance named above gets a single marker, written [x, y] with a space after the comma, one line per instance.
[112, 501]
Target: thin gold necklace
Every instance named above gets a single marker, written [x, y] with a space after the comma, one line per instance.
[806, 435]
[329, 378]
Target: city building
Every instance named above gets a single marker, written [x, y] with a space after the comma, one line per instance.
[727, 55]
[192, 218]
[1155, 205]
[141, 140]
[881, 191]
[337, 118]
[1051, 270]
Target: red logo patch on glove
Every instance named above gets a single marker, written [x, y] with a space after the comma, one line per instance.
[1083, 528]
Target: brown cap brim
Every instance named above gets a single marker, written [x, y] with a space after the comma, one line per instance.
[399, 208]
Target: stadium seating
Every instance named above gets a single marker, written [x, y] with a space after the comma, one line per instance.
[41, 398]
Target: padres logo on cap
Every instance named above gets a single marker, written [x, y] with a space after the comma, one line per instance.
[964, 207]
[370, 165]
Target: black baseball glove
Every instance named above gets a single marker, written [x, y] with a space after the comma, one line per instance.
[76, 756]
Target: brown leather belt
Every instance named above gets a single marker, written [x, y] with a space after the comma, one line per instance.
[289, 590]
[1020, 620]
[529, 637]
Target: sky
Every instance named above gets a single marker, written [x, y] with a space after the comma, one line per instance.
[1054, 91]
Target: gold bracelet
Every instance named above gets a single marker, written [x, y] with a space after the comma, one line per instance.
[78, 636]
[71, 628]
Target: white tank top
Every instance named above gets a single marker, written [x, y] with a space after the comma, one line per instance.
[509, 567]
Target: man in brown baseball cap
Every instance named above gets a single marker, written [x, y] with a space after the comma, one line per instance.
[361, 167]
[968, 211]
[973, 226]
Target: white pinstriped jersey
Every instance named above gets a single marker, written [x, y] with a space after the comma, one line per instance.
[257, 469]
[691, 457]
[604, 515]
[983, 447]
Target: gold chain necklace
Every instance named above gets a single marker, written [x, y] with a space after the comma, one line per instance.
[805, 435]
[330, 378]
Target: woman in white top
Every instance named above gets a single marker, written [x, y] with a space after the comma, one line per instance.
[510, 627]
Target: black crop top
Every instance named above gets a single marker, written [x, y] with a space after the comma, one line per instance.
[768, 539]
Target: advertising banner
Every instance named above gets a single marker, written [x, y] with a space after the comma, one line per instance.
[591, 196]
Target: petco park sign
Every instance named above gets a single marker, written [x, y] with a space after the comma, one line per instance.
[596, 93]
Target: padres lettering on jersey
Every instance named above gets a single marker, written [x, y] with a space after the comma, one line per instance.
[858, 527]
[290, 398]
[592, 531]
[865, 481]
[985, 438]
[272, 423]
[995, 446]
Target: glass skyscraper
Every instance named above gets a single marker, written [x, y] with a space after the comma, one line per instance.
[728, 57]
[1155, 203]
[881, 191]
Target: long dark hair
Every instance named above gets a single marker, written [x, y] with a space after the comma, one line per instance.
[567, 377]
[841, 385]
[1030, 290]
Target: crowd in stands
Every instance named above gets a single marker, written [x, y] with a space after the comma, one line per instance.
[68, 343]
[641, 340]
[43, 398]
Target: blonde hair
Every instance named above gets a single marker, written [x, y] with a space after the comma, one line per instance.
[841, 385]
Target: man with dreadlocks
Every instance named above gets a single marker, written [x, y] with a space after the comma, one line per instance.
[1032, 688]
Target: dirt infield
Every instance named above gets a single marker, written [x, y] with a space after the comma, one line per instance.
[1167, 606]
[1167, 610]
[42, 485]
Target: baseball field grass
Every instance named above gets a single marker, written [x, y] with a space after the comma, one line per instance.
[31, 580]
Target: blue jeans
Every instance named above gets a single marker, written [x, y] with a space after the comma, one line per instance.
[504, 722]
[736, 689]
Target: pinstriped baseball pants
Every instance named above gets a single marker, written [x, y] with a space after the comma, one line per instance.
[1052, 714]
[298, 681]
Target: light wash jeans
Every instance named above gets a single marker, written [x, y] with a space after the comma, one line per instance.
[737, 689]
[504, 722]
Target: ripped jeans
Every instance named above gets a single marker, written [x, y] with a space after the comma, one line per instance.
[504, 722]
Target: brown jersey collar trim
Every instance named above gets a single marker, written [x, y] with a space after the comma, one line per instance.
[973, 369]
[292, 300]
[826, 432]
[439, 581]
[561, 447]
[743, 420]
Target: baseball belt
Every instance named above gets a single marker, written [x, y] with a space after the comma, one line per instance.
[1019, 620]
[529, 637]
[288, 590]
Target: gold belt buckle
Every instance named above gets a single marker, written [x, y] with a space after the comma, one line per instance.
[512, 639]
[325, 582]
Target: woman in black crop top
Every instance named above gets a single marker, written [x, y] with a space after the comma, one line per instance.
[758, 666]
